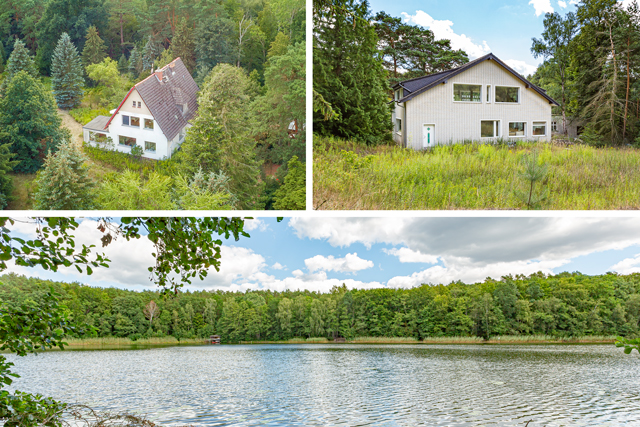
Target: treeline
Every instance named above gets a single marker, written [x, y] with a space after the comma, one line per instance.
[592, 67]
[95, 51]
[564, 305]
[357, 56]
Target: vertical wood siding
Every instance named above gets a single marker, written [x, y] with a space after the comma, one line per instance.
[459, 121]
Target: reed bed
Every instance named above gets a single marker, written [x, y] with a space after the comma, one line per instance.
[384, 340]
[347, 175]
[126, 342]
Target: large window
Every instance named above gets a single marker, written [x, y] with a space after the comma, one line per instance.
[507, 94]
[399, 125]
[135, 121]
[489, 128]
[517, 129]
[466, 93]
[539, 128]
[149, 146]
[148, 124]
[128, 141]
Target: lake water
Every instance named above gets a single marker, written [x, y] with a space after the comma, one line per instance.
[349, 385]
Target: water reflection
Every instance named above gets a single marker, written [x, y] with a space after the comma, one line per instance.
[348, 385]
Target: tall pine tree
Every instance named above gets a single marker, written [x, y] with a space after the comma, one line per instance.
[348, 72]
[94, 48]
[66, 74]
[20, 60]
[6, 166]
[64, 183]
[135, 61]
[183, 45]
[150, 52]
[29, 121]
[2, 57]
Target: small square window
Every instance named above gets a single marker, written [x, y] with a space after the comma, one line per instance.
[489, 128]
[149, 146]
[148, 124]
[135, 121]
[539, 128]
[125, 120]
[128, 141]
[517, 129]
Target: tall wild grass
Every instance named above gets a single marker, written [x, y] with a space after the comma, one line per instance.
[347, 175]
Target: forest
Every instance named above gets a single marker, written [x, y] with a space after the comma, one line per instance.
[562, 305]
[590, 65]
[65, 62]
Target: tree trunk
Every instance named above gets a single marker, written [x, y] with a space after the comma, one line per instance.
[626, 100]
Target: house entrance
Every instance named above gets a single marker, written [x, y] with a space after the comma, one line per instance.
[428, 135]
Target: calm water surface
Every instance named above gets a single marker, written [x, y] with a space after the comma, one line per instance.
[349, 385]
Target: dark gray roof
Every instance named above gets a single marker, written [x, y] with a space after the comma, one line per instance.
[419, 85]
[99, 123]
[164, 90]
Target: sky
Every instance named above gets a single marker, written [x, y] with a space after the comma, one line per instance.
[319, 253]
[503, 27]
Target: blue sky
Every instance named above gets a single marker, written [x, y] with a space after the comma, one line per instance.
[318, 253]
[502, 27]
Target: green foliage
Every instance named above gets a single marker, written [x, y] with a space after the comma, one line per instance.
[214, 38]
[219, 140]
[29, 122]
[533, 172]
[20, 60]
[164, 59]
[84, 115]
[183, 45]
[94, 50]
[137, 151]
[628, 344]
[106, 74]
[63, 183]
[128, 191]
[123, 64]
[204, 192]
[135, 61]
[348, 73]
[66, 74]
[292, 194]
[151, 51]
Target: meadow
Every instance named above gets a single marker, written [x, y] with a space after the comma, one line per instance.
[348, 175]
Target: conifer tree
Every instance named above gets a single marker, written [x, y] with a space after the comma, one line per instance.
[66, 74]
[94, 48]
[29, 122]
[135, 61]
[19, 60]
[2, 57]
[123, 64]
[64, 183]
[149, 54]
[292, 194]
[6, 166]
[348, 73]
[183, 45]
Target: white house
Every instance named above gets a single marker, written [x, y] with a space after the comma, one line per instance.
[482, 100]
[155, 114]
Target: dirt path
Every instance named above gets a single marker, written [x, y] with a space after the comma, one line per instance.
[71, 124]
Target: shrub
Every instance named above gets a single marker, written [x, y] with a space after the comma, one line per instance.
[85, 115]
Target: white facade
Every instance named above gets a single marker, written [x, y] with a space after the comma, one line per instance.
[466, 107]
[142, 130]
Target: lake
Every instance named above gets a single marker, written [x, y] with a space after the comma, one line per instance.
[349, 385]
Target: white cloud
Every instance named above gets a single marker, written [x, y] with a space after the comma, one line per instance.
[461, 269]
[407, 255]
[521, 67]
[542, 6]
[574, 1]
[442, 30]
[252, 224]
[562, 4]
[625, 3]
[627, 265]
[278, 266]
[349, 264]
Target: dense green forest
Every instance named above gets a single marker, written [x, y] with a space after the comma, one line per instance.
[84, 56]
[564, 305]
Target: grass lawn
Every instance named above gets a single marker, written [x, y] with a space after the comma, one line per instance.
[348, 175]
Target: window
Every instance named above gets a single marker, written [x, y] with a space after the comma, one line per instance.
[517, 128]
[507, 94]
[488, 93]
[398, 94]
[125, 120]
[134, 104]
[399, 125]
[489, 128]
[468, 93]
[148, 124]
[554, 126]
[135, 121]
[149, 146]
[539, 128]
[139, 104]
[97, 137]
[125, 140]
